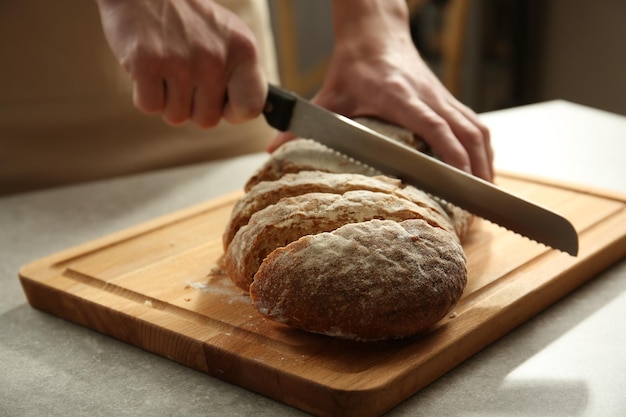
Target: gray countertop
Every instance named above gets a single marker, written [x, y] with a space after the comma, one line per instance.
[567, 361]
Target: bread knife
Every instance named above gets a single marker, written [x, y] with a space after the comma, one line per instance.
[287, 111]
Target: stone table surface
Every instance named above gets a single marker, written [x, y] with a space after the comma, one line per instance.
[567, 361]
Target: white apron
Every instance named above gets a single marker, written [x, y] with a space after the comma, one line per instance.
[66, 111]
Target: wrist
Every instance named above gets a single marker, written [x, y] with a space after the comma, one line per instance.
[361, 18]
[367, 29]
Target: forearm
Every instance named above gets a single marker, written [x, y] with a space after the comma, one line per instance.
[364, 19]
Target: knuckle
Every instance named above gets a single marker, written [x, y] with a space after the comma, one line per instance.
[147, 61]
[206, 58]
[397, 86]
[434, 123]
[245, 47]
[179, 69]
[472, 136]
[484, 130]
[144, 60]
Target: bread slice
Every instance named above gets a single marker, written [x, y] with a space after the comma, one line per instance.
[267, 193]
[306, 155]
[293, 217]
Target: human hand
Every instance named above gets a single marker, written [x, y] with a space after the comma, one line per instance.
[376, 71]
[188, 59]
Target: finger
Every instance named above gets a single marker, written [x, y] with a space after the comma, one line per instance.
[207, 107]
[484, 130]
[452, 135]
[149, 94]
[279, 140]
[246, 92]
[473, 140]
[436, 131]
[178, 96]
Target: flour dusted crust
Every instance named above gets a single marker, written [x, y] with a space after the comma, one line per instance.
[267, 193]
[307, 155]
[293, 217]
[354, 283]
[330, 245]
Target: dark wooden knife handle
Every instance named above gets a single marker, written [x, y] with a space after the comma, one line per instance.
[279, 107]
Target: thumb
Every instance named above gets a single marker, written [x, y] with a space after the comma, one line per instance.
[246, 92]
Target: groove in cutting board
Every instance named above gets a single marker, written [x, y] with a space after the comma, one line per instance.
[158, 286]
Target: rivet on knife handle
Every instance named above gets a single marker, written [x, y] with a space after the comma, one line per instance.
[279, 108]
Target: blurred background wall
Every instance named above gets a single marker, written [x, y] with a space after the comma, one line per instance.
[490, 54]
[581, 53]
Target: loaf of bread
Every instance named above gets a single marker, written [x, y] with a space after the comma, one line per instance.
[330, 245]
[373, 280]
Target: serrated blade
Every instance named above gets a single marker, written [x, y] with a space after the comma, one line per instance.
[288, 112]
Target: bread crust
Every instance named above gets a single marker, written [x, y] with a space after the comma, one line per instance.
[373, 280]
[306, 155]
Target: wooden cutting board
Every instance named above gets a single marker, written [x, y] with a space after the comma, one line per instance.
[157, 286]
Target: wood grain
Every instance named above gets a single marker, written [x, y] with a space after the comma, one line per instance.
[158, 286]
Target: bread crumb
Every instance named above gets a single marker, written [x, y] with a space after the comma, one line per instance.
[216, 270]
[453, 315]
[202, 286]
[148, 303]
